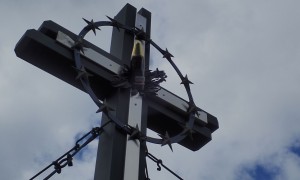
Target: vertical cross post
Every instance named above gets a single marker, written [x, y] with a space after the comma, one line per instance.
[118, 158]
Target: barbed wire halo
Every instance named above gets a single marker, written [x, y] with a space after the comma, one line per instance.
[83, 75]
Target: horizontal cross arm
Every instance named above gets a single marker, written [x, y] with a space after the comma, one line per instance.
[45, 53]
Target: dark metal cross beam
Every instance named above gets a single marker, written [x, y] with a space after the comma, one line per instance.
[50, 48]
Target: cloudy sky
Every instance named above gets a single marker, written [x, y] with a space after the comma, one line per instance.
[242, 56]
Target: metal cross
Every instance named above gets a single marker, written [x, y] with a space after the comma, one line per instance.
[119, 156]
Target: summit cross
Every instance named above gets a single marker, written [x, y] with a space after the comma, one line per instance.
[121, 154]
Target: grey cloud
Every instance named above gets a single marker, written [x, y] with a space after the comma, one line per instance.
[243, 58]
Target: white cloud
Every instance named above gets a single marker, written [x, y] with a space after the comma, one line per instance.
[243, 58]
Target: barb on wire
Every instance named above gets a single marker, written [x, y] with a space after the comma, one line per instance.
[67, 158]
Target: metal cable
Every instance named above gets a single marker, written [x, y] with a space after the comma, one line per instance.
[66, 159]
[160, 163]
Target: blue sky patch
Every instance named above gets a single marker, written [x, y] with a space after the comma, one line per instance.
[84, 150]
[295, 148]
[260, 172]
[80, 155]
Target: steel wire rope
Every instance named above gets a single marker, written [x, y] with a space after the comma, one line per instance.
[66, 159]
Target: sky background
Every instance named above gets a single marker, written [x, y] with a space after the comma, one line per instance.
[242, 56]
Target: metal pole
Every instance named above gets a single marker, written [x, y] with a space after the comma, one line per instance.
[132, 156]
[111, 149]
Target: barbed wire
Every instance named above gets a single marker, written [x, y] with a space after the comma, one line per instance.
[83, 75]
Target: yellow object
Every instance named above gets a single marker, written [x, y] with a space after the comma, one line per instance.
[138, 49]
